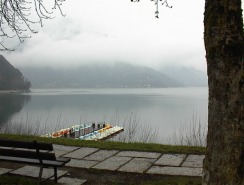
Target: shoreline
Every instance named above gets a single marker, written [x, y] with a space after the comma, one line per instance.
[14, 91]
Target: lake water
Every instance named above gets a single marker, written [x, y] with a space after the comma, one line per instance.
[164, 109]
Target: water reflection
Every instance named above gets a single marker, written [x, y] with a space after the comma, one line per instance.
[10, 104]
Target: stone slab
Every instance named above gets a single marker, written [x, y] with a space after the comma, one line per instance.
[81, 163]
[4, 170]
[112, 163]
[59, 153]
[170, 160]
[101, 155]
[33, 171]
[64, 148]
[137, 165]
[71, 181]
[60, 150]
[151, 155]
[194, 161]
[81, 153]
[177, 171]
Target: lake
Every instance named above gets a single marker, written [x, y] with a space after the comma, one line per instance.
[163, 109]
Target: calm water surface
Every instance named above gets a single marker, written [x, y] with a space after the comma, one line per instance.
[163, 108]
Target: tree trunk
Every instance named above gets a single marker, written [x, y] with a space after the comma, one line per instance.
[223, 36]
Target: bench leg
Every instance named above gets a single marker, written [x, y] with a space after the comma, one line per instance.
[40, 175]
[55, 175]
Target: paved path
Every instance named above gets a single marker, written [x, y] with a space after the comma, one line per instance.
[121, 161]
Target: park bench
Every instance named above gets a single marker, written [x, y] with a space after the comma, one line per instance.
[34, 153]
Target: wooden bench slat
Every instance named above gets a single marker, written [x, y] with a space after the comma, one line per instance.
[19, 160]
[27, 154]
[26, 144]
[33, 161]
[63, 159]
[54, 163]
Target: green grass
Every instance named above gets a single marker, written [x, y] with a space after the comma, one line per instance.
[111, 145]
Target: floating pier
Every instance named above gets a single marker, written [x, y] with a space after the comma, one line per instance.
[87, 131]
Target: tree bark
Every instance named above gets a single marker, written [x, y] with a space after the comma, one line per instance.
[223, 36]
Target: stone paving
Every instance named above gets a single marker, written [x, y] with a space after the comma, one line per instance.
[4, 170]
[121, 161]
[33, 171]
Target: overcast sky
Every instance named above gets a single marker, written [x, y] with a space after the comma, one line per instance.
[107, 31]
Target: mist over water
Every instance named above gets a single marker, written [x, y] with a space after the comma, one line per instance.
[165, 109]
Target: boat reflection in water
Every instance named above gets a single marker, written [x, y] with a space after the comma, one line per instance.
[87, 131]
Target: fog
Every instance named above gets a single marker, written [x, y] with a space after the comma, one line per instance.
[108, 31]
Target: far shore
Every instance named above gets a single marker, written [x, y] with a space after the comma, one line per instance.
[14, 91]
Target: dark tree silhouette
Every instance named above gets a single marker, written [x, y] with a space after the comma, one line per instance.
[15, 18]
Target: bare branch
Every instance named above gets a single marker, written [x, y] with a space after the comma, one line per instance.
[4, 48]
[15, 18]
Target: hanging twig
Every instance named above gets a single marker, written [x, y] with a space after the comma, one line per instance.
[165, 2]
[15, 18]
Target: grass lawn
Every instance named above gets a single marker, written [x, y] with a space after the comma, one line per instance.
[111, 145]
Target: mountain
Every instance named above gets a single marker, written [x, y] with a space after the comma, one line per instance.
[11, 78]
[120, 75]
[187, 76]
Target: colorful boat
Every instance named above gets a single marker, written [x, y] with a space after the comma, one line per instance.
[87, 131]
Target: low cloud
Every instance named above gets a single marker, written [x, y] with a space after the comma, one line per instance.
[106, 31]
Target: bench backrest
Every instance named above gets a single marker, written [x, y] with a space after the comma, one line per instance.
[26, 144]
[26, 149]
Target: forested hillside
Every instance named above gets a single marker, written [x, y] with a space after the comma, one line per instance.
[119, 75]
[11, 78]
